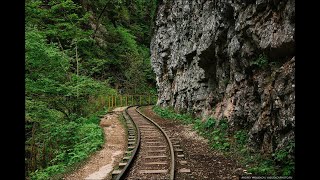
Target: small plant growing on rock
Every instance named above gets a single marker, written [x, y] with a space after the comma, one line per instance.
[284, 157]
[261, 61]
[210, 123]
[241, 137]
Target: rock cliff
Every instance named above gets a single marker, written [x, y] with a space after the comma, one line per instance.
[232, 60]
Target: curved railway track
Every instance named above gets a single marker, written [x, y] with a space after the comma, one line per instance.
[150, 152]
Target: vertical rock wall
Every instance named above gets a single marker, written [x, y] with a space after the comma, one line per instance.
[229, 59]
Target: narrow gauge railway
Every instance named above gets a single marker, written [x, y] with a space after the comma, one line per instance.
[150, 152]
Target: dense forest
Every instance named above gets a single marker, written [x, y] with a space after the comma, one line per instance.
[76, 53]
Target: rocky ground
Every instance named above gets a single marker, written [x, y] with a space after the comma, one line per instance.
[203, 162]
[100, 164]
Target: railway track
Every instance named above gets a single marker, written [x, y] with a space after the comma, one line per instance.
[150, 153]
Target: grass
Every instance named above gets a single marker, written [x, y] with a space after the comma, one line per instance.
[234, 144]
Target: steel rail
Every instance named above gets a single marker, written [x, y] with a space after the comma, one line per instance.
[126, 168]
[168, 140]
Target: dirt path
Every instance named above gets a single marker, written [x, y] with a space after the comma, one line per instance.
[203, 162]
[100, 164]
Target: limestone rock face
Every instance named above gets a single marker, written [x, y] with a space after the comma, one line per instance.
[229, 59]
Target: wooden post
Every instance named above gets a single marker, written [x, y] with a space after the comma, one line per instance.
[115, 101]
[108, 97]
[149, 99]
[127, 100]
[112, 101]
[140, 99]
[120, 100]
[131, 99]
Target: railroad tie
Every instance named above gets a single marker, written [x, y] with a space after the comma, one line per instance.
[175, 142]
[153, 142]
[156, 151]
[116, 172]
[131, 142]
[183, 162]
[184, 170]
[153, 171]
[122, 164]
[148, 129]
[180, 155]
[156, 146]
[178, 150]
[146, 126]
[156, 163]
[153, 157]
[157, 160]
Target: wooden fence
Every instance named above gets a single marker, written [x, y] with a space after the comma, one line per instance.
[128, 100]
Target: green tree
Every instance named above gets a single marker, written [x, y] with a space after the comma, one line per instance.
[69, 72]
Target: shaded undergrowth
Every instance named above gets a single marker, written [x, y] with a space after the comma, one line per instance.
[83, 137]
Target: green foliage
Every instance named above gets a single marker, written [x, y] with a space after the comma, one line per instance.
[88, 140]
[169, 113]
[241, 137]
[124, 56]
[55, 101]
[235, 143]
[74, 141]
[261, 61]
[285, 157]
[70, 70]
[60, 20]
[127, 42]
[44, 174]
[265, 167]
[217, 135]
[226, 81]
[210, 123]
[44, 60]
